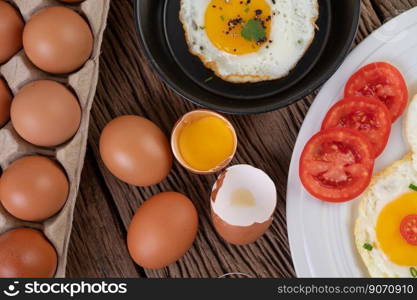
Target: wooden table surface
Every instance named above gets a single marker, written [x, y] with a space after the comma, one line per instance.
[127, 85]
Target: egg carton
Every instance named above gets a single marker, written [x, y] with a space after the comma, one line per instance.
[19, 71]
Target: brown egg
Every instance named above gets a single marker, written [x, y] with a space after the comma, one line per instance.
[162, 230]
[33, 188]
[26, 253]
[58, 40]
[11, 30]
[135, 150]
[45, 113]
[5, 102]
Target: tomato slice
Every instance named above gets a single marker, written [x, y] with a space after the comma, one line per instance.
[382, 81]
[408, 229]
[367, 115]
[336, 164]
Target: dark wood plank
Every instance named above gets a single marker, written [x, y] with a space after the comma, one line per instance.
[127, 85]
[389, 9]
[96, 231]
[142, 93]
[369, 21]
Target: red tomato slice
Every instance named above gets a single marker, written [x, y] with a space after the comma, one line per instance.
[336, 164]
[367, 115]
[382, 81]
[408, 229]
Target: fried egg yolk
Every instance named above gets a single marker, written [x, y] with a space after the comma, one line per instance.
[389, 237]
[239, 26]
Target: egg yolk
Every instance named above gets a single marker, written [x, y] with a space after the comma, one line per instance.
[238, 26]
[389, 237]
[206, 143]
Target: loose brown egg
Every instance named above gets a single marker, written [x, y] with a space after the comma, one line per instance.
[5, 102]
[45, 113]
[33, 188]
[11, 30]
[162, 230]
[135, 150]
[58, 40]
[26, 253]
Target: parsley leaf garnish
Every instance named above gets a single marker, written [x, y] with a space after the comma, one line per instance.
[412, 187]
[253, 31]
[367, 246]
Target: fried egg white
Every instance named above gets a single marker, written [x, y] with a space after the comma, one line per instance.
[383, 206]
[249, 40]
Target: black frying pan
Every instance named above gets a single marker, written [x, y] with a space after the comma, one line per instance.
[162, 37]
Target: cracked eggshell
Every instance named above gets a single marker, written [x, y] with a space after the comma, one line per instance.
[186, 120]
[243, 201]
[239, 235]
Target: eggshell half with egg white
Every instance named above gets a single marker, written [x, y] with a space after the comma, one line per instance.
[243, 201]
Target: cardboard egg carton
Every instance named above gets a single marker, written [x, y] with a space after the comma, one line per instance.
[19, 71]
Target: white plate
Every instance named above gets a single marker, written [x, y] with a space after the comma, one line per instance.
[321, 234]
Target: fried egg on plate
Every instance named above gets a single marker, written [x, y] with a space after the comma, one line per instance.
[389, 204]
[249, 40]
[385, 204]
